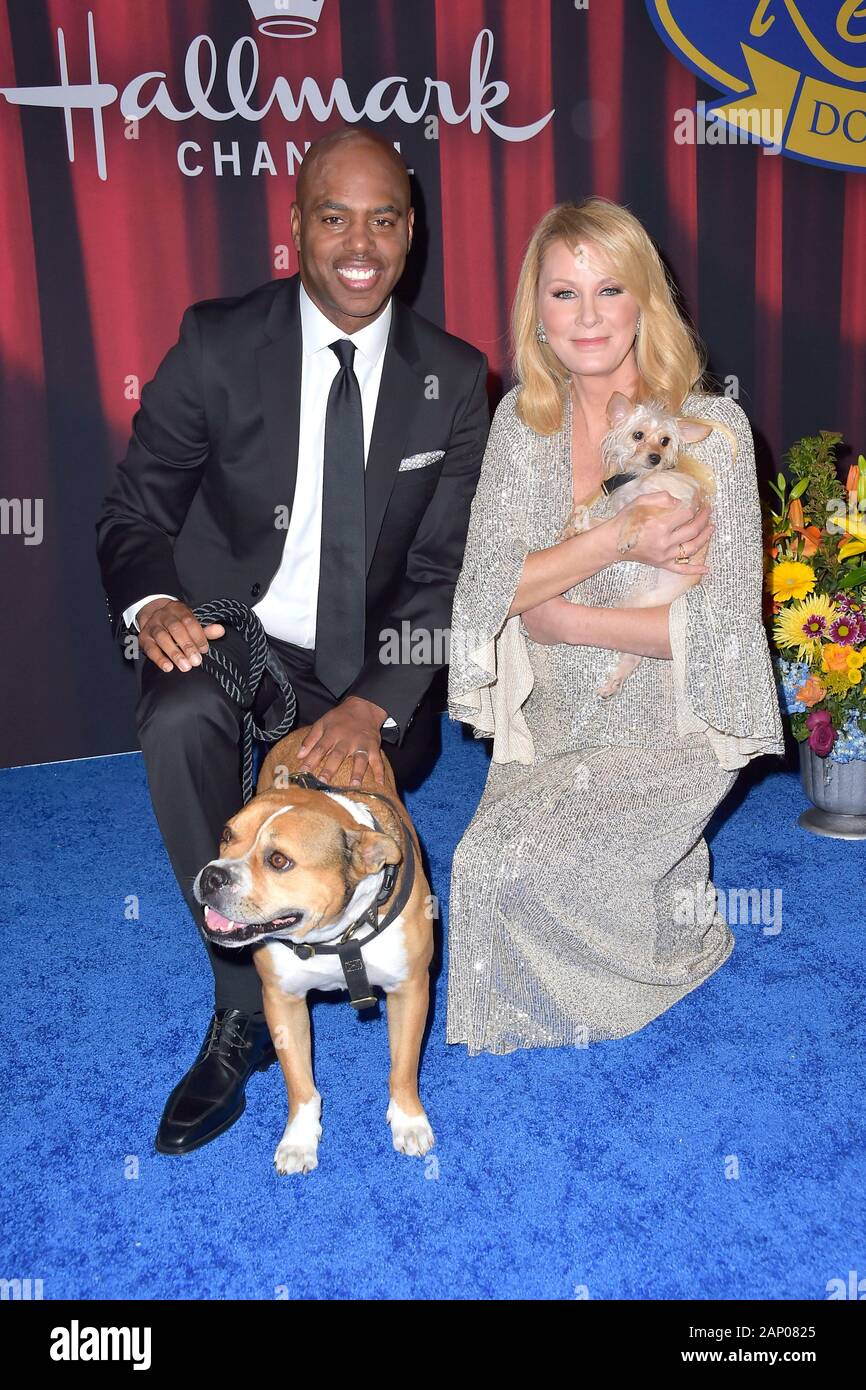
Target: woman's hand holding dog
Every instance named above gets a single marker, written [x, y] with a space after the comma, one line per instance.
[659, 537]
[658, 542]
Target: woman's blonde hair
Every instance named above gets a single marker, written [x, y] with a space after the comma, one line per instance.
[670, 359]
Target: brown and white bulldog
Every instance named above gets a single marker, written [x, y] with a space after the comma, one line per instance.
[301, 865]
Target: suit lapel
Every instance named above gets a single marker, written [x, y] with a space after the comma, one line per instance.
[280, 381]
[399, 393]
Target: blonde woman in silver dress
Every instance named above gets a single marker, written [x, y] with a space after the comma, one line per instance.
[581, 906]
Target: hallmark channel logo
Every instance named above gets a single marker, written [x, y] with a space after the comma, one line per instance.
[429, 100]
[287, 19]
[796, 57]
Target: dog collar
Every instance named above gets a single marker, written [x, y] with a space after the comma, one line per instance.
[348, 948]
[611, 484]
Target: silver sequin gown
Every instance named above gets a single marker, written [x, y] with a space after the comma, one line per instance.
[580, 905]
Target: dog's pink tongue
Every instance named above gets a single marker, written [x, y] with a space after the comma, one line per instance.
[216, 921]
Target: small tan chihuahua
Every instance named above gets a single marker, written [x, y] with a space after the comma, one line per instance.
[645, 447]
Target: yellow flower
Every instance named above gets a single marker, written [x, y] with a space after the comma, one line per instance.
[851, 548]
[791, 579]
[837, 682]
[855, 664]
[802, 625]
[844, 662]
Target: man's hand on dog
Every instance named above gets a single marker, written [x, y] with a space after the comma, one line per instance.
[171, 635]
[350, 727]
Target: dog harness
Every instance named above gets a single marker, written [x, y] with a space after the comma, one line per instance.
[348, 948]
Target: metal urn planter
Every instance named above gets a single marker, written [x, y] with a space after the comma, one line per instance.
[838, 795]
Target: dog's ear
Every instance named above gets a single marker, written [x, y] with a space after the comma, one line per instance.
[370, 851]
[618, 407]
[692, 431]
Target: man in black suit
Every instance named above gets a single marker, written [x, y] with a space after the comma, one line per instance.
[312, 449]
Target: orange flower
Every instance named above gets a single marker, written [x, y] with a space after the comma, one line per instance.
[851, 480]
[795, 514]
[812, 692]
[834, 656]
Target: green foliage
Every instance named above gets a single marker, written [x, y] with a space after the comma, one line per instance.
[812, 462]
[813, 467]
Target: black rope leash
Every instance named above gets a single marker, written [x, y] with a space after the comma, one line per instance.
[243, 688]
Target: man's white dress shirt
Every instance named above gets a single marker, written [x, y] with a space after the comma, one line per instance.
[288, 609]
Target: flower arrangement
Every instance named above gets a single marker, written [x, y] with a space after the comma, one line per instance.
[815, 597]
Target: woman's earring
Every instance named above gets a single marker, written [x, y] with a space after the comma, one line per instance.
[540, 333]
[637, 326]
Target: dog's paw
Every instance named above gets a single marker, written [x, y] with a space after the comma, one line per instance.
[609, 688]
[411, 1133]
[612, 685]
[296, 1158]
[577, 523]
[298, 1150]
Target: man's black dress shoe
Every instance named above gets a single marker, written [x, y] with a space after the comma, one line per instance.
[211, 1096]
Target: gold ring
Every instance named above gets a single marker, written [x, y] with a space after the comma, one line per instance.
[681, 558]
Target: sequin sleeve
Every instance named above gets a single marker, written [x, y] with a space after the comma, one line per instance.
[721, 667]
[489, 674]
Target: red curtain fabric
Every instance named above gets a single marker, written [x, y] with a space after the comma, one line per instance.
[769, 253]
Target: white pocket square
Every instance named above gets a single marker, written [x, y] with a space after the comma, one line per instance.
[420, 460]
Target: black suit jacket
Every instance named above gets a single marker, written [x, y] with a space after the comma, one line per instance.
[212, 462]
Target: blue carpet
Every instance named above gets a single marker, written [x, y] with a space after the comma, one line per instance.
[606, 1172]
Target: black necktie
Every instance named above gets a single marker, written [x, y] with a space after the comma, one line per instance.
[343, 572]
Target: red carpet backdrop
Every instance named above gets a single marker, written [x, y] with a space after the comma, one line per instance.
[148, 157]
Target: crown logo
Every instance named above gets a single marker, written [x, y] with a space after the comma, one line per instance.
[286, 19]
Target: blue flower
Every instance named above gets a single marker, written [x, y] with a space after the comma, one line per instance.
[790, 675]
[850, 742]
